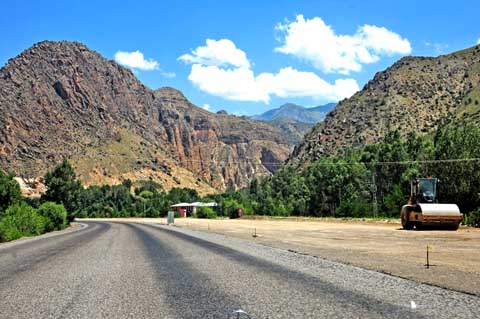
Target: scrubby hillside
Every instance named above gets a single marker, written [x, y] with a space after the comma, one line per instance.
[413, 95]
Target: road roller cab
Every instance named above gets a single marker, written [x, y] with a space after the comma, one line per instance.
[423, 208]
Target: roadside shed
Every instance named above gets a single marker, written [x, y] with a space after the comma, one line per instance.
[190, 209]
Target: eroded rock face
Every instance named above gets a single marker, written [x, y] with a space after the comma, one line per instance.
[414, 95]
[60, 99]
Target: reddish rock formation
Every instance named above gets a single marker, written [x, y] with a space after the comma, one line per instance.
[60, 99]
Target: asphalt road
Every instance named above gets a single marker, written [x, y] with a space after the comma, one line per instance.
[130, 270]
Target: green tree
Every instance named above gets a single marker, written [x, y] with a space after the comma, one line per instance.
[55, 215]
[9, 191]
[253, 188]
[89, 200]
[394, 201]
[334, 180]
[63, 188]
[179, 195]
[460, 180]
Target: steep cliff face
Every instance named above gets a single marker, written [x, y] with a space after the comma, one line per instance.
[413, 95]
[60, 99]
[223, 149]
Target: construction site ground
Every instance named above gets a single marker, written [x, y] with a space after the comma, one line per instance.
[383, 246]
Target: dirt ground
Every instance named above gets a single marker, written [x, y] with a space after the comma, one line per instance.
[381, 246]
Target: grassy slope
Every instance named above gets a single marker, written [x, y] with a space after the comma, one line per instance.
[131, 157]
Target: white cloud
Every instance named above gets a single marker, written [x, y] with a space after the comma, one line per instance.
[136, 60]
[222, 69]
[238, 82]
[478, 41]
[217, 53]
[206, 107]
[289, 82]
[316, 42]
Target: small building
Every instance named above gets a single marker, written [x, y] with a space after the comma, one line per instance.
[190, 209]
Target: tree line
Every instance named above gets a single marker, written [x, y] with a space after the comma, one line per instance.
[66, 198]
[369, 181]
[373, 180]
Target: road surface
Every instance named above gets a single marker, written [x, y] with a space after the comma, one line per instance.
[379, 246]
[132, 270]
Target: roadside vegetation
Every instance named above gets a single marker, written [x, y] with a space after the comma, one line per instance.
[20, 217]
[66, 198]
[372, 181]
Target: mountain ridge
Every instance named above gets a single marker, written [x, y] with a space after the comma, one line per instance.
[415, 94]
[295, 120]
[296, 113]
[59, 99]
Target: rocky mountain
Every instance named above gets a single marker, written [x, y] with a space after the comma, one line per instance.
[294, 120]
[61, 99]
[413, 95]
[290, 112]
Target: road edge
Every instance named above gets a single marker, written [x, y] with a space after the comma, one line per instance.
[192, 232]
[74, 227]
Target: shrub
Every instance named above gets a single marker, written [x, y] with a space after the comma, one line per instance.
[354, 208]
[21, 220]
[9, 191]
[394, 201]
[124, 213]
[230, 207]
[55, 215]
[8, 229]
[473, 218]
[82, 214]
[206, 212]
[280, 209]
[151, 212]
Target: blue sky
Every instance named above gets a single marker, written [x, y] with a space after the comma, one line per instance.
[261, 54]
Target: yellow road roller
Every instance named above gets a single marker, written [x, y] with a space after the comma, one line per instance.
[423, 209]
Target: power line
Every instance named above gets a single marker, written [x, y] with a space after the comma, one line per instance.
[385, 163]
[453, 160]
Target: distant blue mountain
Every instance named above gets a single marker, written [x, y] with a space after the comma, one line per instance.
[326, 108]
[290, 112]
